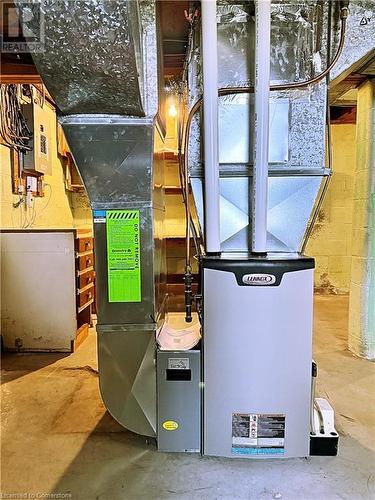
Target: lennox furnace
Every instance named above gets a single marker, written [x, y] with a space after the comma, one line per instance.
[252, 152]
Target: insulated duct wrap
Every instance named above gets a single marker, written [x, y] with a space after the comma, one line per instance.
[298, 43]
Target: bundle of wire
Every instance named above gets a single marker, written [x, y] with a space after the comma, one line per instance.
[13, 126]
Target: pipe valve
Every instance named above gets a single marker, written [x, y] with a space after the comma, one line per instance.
[344, 9]
[188, 279]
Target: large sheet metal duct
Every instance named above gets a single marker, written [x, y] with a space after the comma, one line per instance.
[92, 56]
[100, 64]
[296, 122]
[297, 158]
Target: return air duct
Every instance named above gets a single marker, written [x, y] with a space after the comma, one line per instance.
[100, 64]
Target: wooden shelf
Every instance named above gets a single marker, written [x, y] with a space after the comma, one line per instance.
[170, 155]
[177, 242]
[173, 190]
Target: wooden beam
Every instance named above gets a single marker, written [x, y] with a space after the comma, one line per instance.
[173, 190]
[355, 68]
[351, 82]
[351, 78]
[171, 156]
[174, 60]
[343, 115]
[19, 73]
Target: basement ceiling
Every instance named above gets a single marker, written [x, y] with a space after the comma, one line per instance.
[174, 28]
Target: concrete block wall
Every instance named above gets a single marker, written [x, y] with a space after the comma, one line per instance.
[175, 216]
[331, 239]
[362, 285]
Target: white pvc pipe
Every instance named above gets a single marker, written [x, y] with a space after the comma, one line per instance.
[262, 84]
[210, 122]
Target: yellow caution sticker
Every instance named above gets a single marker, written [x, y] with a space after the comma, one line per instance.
[170, 425]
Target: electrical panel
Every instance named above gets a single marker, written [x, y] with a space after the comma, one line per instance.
[38, 160]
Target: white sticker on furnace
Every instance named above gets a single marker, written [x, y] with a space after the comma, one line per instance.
[178, 363]
[257, 434]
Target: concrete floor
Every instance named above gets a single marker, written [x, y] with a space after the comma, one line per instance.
[57, 436]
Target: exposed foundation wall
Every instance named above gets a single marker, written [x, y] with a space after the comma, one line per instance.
[58, 208]
[331, 240]
[362, 286]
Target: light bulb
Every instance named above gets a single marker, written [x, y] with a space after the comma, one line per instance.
[172, 111]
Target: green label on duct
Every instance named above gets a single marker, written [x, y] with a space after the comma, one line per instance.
[123, 256]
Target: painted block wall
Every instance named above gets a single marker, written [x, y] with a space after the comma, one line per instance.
[331, 239]
[362, 286]
[57, 209]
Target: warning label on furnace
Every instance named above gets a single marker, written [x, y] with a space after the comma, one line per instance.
[258, 434]
[123, 256]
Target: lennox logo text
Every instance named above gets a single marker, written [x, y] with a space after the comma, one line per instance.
[259, 279]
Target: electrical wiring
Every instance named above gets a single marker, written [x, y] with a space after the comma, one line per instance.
[49, 198]
[27, 219]
[36, 213]
[14, 130]
[24, 217]
[41, 94]
[31, 220]
[16, 134]
[14, 208]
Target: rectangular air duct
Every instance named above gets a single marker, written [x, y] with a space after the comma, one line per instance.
[100, 64]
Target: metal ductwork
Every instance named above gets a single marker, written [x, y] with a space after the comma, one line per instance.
[296, 123]
[92, 61]
[100, 65]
